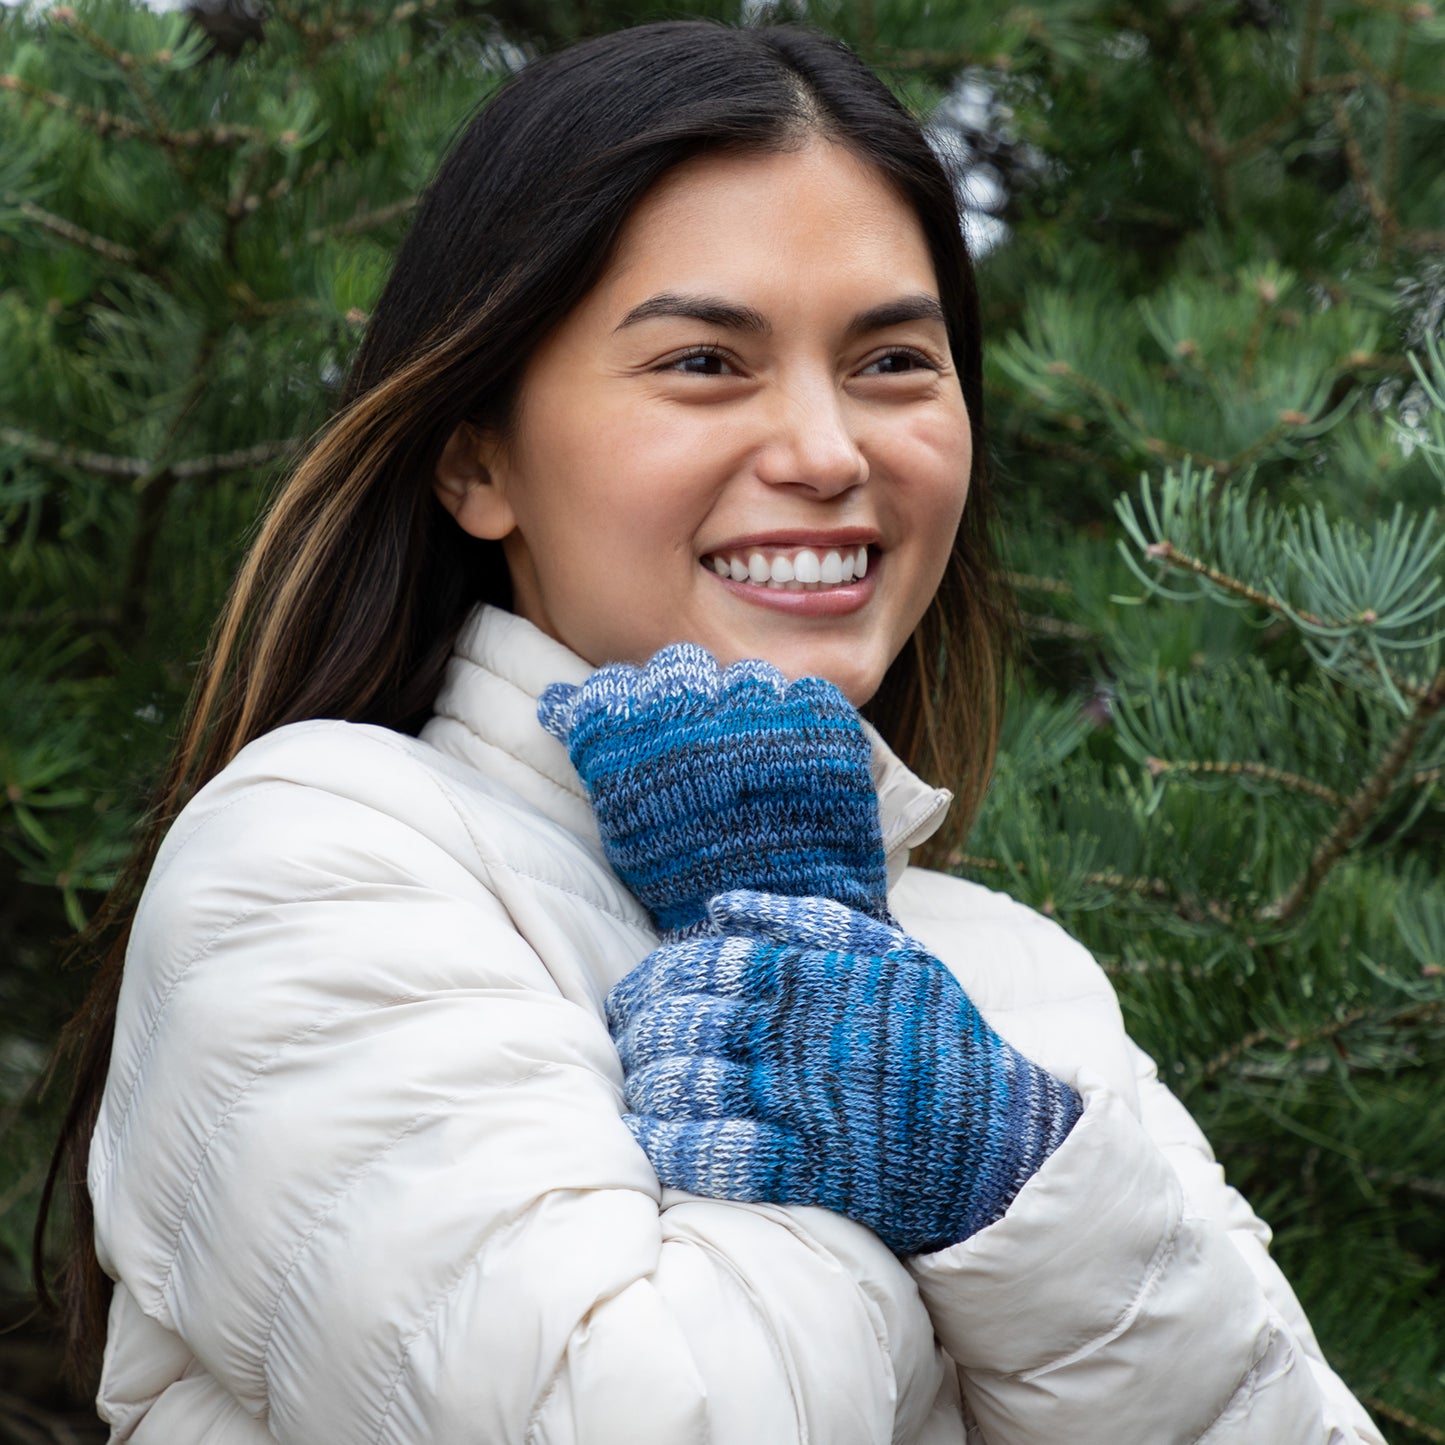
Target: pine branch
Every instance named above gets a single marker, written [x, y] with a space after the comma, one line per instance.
[1266, 294]
[64, 15]
[1417, 240]
[1401, 1417]
[1106, 399]
[156, 493]
[107, 123]
[133, 468]
[368, 221]
[1043, 625]
[1360, 171]
[1426, 1188]
[1230, 1056]
[1170, 555]
[323, 35]
[1292, 781]
[1391, 183]
[1069, 452]
[77, 235]
[1027, 582]
[153, 502]
[1413, 1013]
[1358, 54]
[1262, 134]
[1361, 809]
[1206, 134]
[1108, 878]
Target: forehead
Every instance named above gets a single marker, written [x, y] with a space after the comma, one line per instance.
[817, 219]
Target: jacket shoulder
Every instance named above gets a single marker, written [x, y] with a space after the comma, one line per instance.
[326, 799]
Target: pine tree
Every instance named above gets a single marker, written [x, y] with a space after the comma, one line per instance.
[1211, 262]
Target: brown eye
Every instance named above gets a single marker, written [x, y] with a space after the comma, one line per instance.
[703, 362]
[898, 363]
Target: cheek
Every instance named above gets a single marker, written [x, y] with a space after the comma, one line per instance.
[937, 477]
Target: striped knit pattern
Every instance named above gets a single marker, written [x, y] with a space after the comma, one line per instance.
[805, 1053]
[703, 780]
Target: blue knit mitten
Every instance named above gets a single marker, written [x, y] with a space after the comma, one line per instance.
[704, 780]
[808, 1054]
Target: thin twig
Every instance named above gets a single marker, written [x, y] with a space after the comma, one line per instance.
[1392, 136]
[1108, 878]
[1227, 1057]
[1030, 582]
[1266, 131]
[64, 15]
[1417, 240]
[1293, 781]
[133, 468]
[1393, 1179]
[1359, 170]
[366, 222]
[1402, 1417]
[1206, 135]
[1168, 553]
[1043, 625]
[1361, 808]
[106, 123]
[78, 235]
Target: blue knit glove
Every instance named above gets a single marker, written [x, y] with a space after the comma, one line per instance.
[812, 1055]
[704, 780]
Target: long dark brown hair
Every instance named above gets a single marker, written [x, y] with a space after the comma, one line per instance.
[349, 601]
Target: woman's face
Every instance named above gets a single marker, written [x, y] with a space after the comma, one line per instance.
[749, 435]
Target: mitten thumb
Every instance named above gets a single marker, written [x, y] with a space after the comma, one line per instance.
[557, 707]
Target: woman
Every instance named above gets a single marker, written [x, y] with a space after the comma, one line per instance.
[520, 1039]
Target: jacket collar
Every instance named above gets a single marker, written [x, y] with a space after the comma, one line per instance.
[486, 715]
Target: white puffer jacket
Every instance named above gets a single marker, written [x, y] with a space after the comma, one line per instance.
[361, 1173]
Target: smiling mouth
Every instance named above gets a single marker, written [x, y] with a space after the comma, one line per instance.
[791, 569]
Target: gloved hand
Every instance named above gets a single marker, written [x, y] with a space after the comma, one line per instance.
[807, 1054]
[705, 780]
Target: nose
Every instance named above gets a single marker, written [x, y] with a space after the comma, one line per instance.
[812, 444]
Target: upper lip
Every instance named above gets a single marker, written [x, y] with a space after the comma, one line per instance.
[829, 540]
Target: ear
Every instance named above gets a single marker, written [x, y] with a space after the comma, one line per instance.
[469, 484]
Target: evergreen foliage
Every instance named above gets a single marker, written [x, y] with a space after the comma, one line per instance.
[1214, 287]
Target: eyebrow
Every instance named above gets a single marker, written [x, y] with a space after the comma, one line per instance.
[728, 316]
[707, 309]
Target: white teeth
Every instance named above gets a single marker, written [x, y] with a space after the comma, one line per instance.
[801, 571]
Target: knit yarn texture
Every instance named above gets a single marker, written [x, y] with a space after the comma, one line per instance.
[805, 1053]
[704, 780]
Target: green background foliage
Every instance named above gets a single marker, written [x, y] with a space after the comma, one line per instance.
[1212, 241]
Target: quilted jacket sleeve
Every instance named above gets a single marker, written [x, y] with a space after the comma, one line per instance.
[1128, 1298]
[361, 1160]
